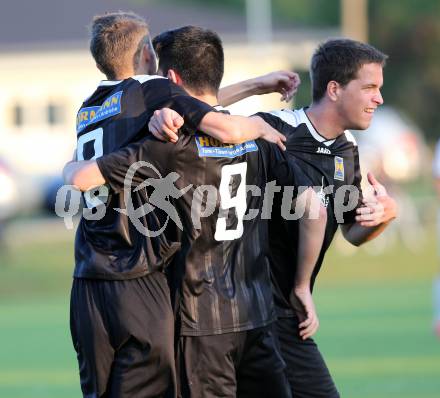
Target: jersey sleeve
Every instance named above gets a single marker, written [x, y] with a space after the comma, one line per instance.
[162, 93]
[274, 120]
[281, 167]
[133, 164]
[350, 216]
[301, 178]
[436, 163]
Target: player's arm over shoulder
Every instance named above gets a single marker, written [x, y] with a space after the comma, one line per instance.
[230, 129]
[274, 126]
[140, 160]
[199, 115]
[238, 129]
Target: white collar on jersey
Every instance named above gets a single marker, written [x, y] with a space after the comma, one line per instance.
[295, 117]
[103, 83]
[140, 78]
[318, 137]
[220, 108]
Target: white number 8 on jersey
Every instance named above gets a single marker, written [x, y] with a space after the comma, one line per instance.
[98, 195]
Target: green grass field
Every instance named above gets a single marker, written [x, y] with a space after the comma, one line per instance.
[375, 313]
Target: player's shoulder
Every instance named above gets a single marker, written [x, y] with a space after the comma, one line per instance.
[345, 145]
[221, 109]
[349, 137]
[103, 87]
[103, 103]
[151, 84]
[106, 85]
[142, 79]
[291, 117]
[288, 122]
[155, 86]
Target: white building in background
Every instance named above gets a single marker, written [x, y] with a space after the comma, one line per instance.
[47, 71]
[40, 94]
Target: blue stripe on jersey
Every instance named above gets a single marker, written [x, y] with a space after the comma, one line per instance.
[212, 148]
[92, 114]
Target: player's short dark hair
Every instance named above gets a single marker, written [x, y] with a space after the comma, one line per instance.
[340, 60]
[116, 40]
[196, 54]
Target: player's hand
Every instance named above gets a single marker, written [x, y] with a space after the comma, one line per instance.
[302, 302]
[164, 124]
[284, 82]
[271, 135]
[380, 209]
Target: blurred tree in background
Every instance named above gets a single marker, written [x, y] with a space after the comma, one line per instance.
[308, 13]
[407, 30]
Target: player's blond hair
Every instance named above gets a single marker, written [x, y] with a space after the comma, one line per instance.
[116, 41]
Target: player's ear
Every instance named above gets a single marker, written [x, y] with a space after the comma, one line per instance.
[146, 62]
[174, 77]
[333, 89]
[99, 68]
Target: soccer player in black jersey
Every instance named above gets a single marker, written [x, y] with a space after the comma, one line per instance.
[121, 318]
[226, 302]
[346, 80]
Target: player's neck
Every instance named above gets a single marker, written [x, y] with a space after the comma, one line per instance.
[130, 72]
[210, 99]
[325, 120]
[207, 98]
[122, 76]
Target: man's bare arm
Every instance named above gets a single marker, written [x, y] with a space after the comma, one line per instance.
[311, 236]
[165, 123]
[237, 129]
[230, 129]
[284, 82]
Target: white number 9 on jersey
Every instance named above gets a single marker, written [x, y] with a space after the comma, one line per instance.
[227, 201]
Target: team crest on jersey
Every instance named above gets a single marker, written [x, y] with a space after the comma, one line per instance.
[212, 148]
[92, 114]
[339, 168]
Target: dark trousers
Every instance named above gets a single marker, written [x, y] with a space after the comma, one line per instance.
[243, 364]
[307, 372]
[123, 333]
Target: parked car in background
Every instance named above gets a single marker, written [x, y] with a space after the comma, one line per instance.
[8, 196]
[393, 147]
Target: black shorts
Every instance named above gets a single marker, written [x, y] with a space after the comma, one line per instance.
[307, 372]
[123, 333]
[243, 364]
